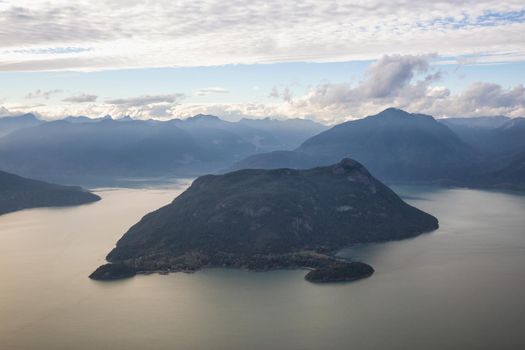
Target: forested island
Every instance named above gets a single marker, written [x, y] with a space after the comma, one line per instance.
[269, 219]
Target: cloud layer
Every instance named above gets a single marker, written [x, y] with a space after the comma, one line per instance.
[96, 34]
[403, 81]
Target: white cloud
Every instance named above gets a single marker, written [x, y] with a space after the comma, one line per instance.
[46, 94]
[286, 93]
[82, 98]
[99, 34]
[211, 90]
[390, 74]
[405, 82]
[482, 99]
[145, 100]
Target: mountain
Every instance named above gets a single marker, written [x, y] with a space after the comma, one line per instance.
[510, 175]
[493, 136]
[511, 136]
[83, 119]
[289, 133]
[101, 151]
[264, 134]
[268, 219]
[489, 122]
[12, 123]
[501, 142]
[394, 145]
[18, 193]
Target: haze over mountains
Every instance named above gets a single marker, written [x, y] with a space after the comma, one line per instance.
[490, 135]
[501, 141]
[394, 145]
[10, 124]
[397, 147]
[87, 151]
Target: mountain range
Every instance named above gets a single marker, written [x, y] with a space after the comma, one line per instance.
[396, 146]
[491, 136]
[99, 151]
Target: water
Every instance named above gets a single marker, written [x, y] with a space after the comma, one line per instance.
[461, 287]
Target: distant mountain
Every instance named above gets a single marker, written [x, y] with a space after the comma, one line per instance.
[12, 123]
[268, 219]
[490, 122]
[18, 193]
[510, 175]
[501, 142]
[511, 136]
[83, 119]
[493, 136]
[88, 151]
[264, 134]
[394, 145]
[289, 133]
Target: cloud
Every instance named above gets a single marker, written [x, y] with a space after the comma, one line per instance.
[409, 83]
[82, 98]
[140, 107]
[390, 74]
[91, 35]
[285, 95]
[480, 99]
[391, 80]
[274, 92]
[402, 81]
[42, 94]
[211, 90]
[52, 50]
[146, 100]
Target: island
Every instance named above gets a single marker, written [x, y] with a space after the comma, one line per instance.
[340, 272]
[17, 193]
[263, 220]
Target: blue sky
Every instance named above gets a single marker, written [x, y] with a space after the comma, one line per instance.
[328, 60]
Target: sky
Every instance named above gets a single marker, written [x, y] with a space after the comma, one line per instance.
[329, 61]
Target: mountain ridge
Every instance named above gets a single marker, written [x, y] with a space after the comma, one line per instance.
[17, 193]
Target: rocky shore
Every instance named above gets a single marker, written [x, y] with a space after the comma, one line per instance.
[324, 268]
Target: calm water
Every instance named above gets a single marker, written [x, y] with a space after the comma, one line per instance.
[461, 287]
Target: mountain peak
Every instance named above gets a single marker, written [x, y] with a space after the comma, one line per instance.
[399, 115]
[394, 113]
[346, 165]
[19, 117]
[28, 116]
